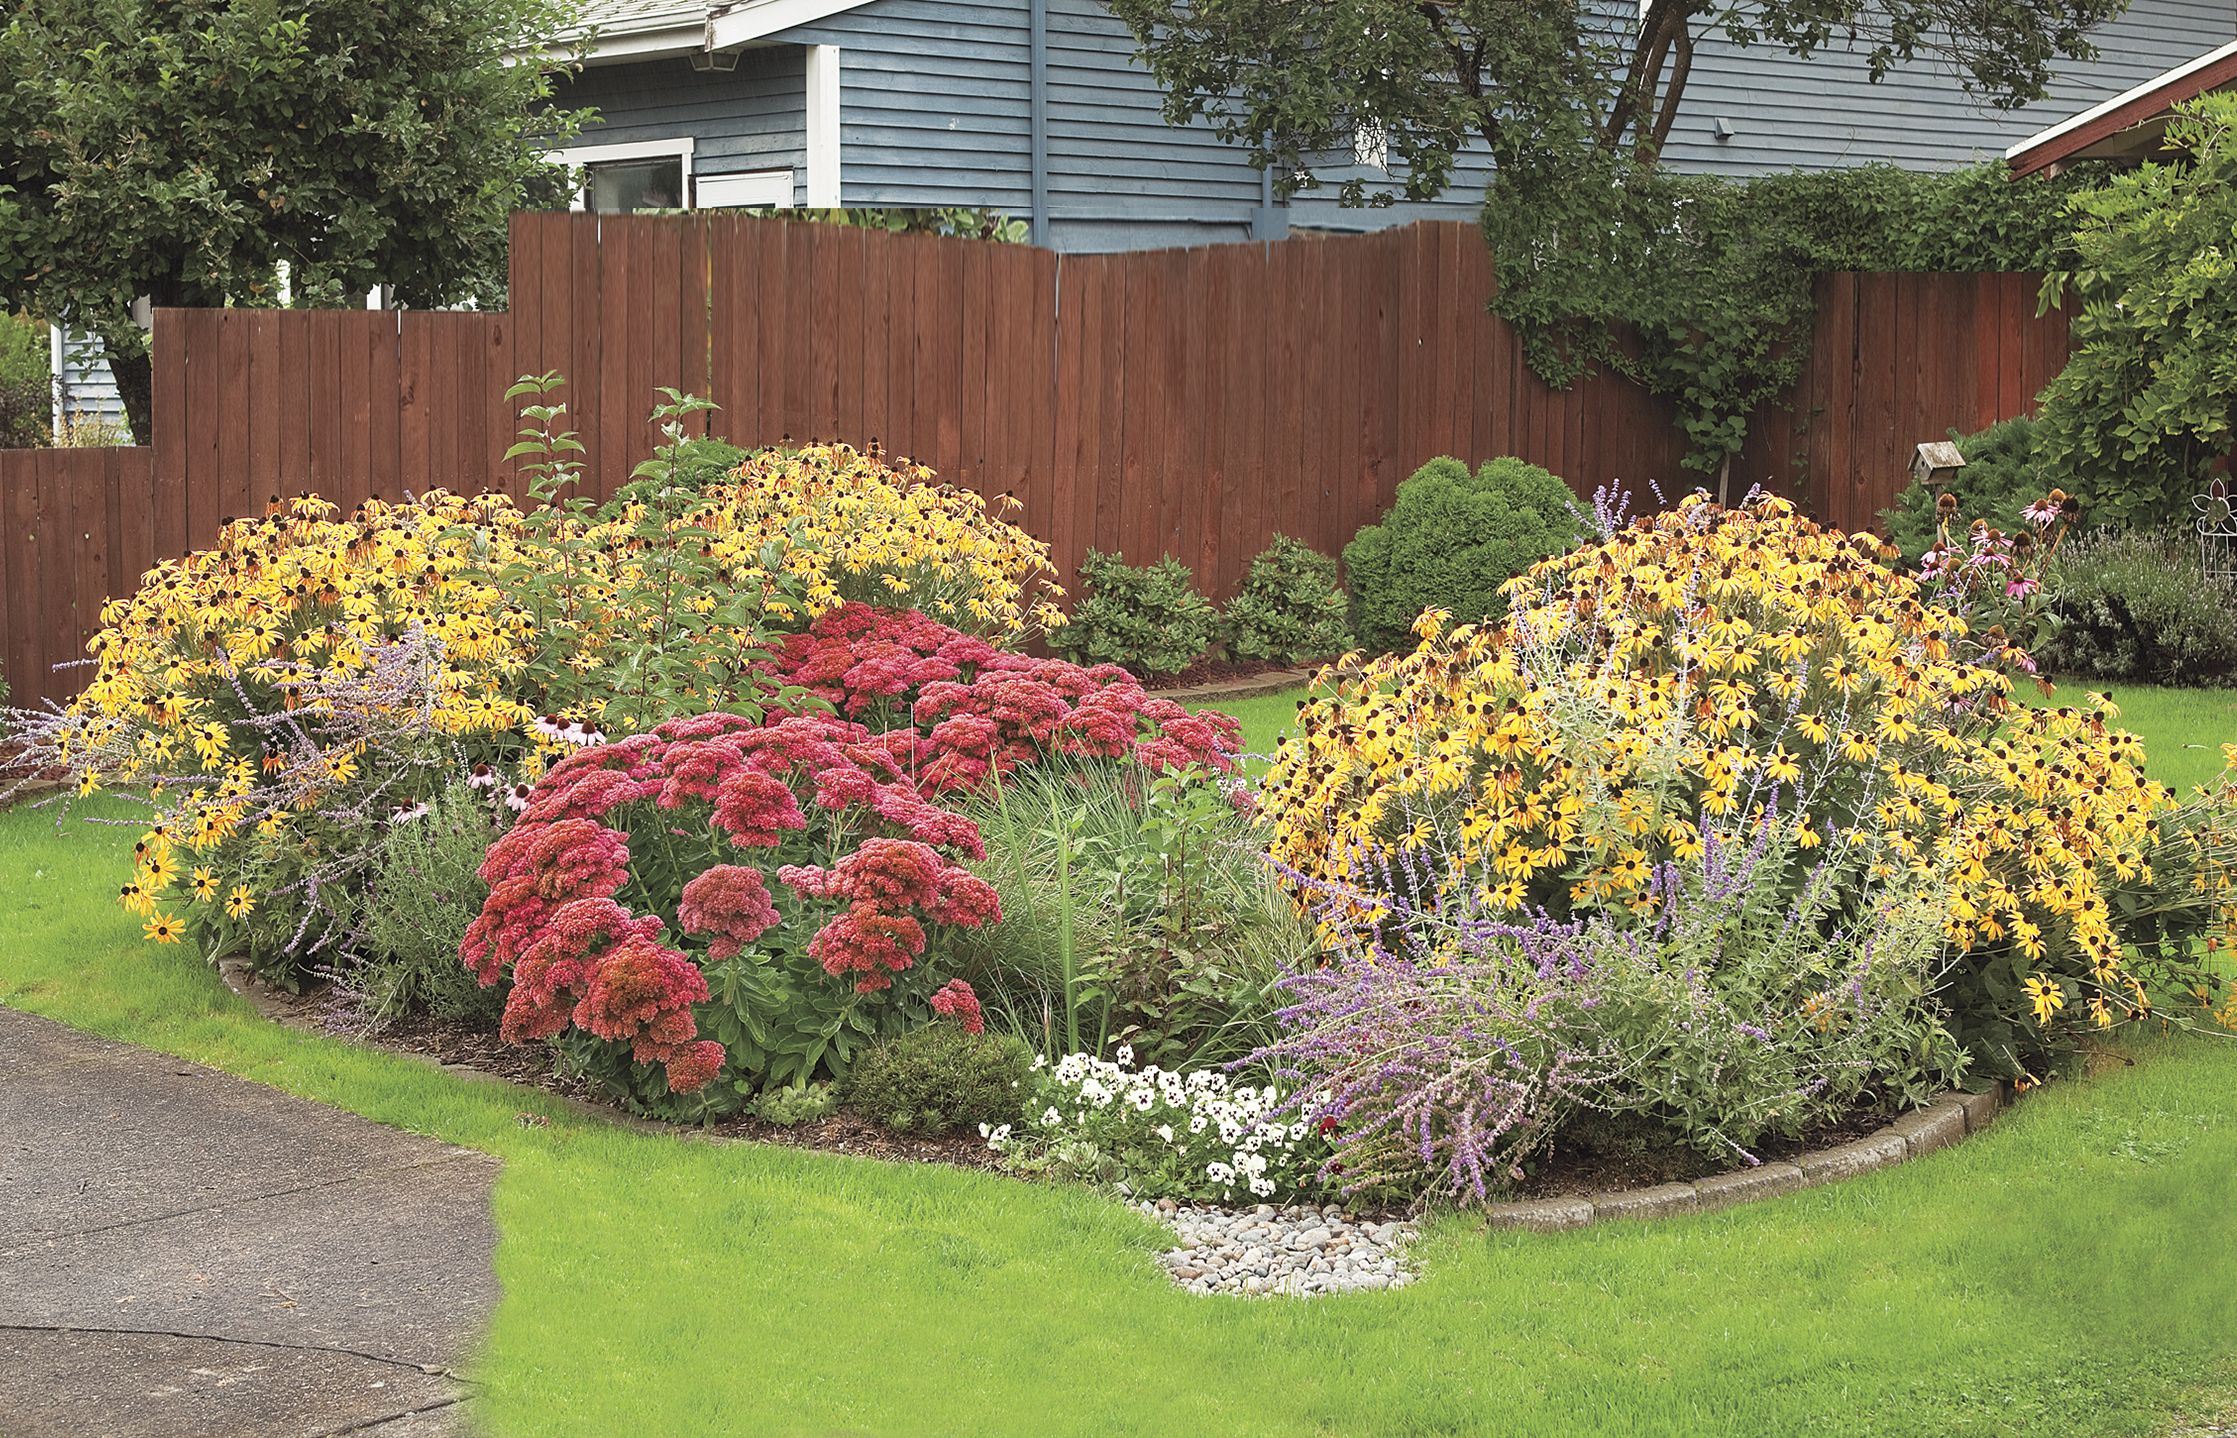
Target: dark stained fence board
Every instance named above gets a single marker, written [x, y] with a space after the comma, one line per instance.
[1183, 402]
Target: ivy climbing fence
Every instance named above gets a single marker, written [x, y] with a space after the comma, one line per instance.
[1190, 402]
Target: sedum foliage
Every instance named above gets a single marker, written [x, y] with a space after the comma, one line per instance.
[1451, 540]
[2148, 399]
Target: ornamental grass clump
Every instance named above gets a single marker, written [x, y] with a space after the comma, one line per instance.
[722, 905]
[1685, 668]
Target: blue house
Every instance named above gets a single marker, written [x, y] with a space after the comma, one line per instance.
[1039, 109]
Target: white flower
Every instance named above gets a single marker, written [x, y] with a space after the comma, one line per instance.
[1050, 1118]
[1263, 1187]
[1165, 1132]
[1196, 1124]
[1219, 1172]
[1125, 1055]
[1144, 1099]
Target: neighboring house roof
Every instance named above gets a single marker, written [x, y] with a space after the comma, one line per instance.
[2131, 124]
[639, 29]
[644, 29]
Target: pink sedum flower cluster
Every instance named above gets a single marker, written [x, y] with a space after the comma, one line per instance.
[580, 956]
[958, 710]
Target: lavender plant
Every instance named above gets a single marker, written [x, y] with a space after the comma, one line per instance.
[1751, 997]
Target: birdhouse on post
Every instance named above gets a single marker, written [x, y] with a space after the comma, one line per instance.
[1936, 463]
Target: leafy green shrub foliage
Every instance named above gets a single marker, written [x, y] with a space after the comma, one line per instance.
[2001, 478]
[26, 388]
[2148, 399]
[1135, 908]
[428, 893]
[1451, 540]
[1149, 619]
[2137, 605]
[1290, 608]
[941, 1079]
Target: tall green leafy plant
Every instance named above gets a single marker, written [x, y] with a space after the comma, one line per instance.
[2147, 403]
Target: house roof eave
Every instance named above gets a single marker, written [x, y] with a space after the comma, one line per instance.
[2071, 136]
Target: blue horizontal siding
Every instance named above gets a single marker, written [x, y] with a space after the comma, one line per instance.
[935, 102]
[750, 118]
[936, 99]
[1825, 113]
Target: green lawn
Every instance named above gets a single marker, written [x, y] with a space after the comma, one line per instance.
[2070, 1273]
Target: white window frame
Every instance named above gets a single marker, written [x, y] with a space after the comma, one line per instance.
[757, 190]
[580, 155]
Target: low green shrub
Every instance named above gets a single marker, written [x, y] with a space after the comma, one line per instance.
[1149, 619]
[428, 894]
[1290, 609]
[26, 387]
[941, 1079]
[1451, 539]
[1135, 909]
[2001, 478]
[2137, 605]
[794, 1105]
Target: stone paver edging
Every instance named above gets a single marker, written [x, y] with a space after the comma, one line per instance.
[1947, 1120]
[1272, 682]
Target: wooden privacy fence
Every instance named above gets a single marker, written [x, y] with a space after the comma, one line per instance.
[1189, 402]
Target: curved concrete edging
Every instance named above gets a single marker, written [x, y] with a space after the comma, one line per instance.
[1947, 1120]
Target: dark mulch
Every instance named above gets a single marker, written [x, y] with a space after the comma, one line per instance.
[1576, 1169]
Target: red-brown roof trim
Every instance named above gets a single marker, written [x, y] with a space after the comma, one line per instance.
[2148, 101]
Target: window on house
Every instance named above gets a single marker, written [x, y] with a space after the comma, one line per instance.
[624, 187]
[1371, 146]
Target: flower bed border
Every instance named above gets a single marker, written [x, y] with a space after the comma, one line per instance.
[1273, 681]
[1948, 1120]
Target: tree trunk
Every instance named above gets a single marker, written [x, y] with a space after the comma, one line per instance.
[135, 376]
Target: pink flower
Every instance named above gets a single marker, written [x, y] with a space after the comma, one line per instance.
[729, 903]
[955, 1000]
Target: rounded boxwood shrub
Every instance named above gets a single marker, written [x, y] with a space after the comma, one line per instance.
[1451, 540]
[939, 1079]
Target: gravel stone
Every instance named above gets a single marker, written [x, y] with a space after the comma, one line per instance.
[1299, 1252]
